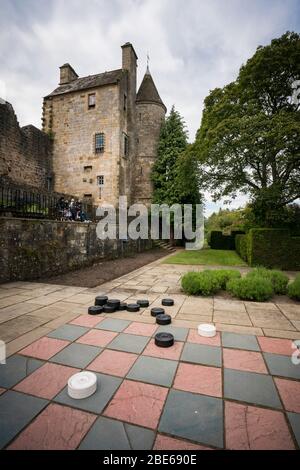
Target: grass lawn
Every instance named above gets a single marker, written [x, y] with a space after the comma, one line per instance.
[208, 257]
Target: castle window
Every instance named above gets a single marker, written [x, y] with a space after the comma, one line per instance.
[126, 145]
[100, 180]
[125, 102]
[99, 143]
[49, 183]
[92, 100]
[87, 169]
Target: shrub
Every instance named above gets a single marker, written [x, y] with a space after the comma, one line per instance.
[278, 279]
[224, 275]
[251, 288]
[189, 283]
[294, 288]
[202, 283]
[207, 282]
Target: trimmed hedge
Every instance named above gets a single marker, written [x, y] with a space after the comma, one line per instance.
[294, 288]
[271, 248]
[218, 241]
[241, 246]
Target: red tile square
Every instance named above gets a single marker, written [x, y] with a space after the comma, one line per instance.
[248, 361]
[47, 381]
[251, 428]
[276, 345]
[289, 391]
[44, 348]
[199, 379]
[56, 428]
[97, 338]
[142, 329]
[194, 337]
[164, 353]
[138, 403]
[113, 363]
[86, 320]
[169, 443]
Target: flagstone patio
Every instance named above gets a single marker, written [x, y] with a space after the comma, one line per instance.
[238, 390]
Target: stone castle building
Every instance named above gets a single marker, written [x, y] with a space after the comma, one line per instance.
[99, 137]
[105, 134]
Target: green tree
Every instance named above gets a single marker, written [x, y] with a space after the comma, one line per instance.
[187, 179]
[249, 139]
[174, 172]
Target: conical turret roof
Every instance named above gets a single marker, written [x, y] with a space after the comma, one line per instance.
[148, 92]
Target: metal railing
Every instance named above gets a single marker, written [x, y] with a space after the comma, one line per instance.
[30, 203]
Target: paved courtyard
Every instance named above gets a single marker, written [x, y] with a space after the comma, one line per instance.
[239, 390]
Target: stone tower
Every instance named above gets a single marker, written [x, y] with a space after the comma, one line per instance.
[150, 114]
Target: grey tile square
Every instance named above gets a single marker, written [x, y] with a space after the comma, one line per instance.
[16, 369]
[76, 355]
[16, 411]
[294, 419]
[251, 387]
[202, 354]
[179, 334]
[282, 366]
[109, 434]
[113, 324]
[238, 341]
[68, 332]
[193, 416]
[129, 343]
[153, 370]
[106, 387]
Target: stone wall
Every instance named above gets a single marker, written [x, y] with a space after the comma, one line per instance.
[33, 249]
[25, 152]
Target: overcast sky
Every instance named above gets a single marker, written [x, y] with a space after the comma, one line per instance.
[194, 45]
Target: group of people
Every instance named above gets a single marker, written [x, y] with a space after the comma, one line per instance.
[72, 210]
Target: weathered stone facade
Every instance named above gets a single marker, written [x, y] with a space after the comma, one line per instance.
[25, 152]
[149, 119]
[129, 122]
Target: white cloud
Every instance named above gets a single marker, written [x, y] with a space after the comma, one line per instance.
[210, 206]
[194, 45]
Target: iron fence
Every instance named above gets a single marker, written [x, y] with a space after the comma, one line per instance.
[27, 203]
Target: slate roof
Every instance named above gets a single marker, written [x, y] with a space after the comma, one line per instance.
[92, 81]
[148, 92]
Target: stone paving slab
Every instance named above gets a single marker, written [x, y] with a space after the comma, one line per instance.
[116, 435]
[16, 411]
[195, 417]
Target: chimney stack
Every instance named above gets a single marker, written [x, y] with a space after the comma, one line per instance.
[129, 62]
[67, 74]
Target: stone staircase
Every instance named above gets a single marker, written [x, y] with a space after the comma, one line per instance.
[164, 245]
